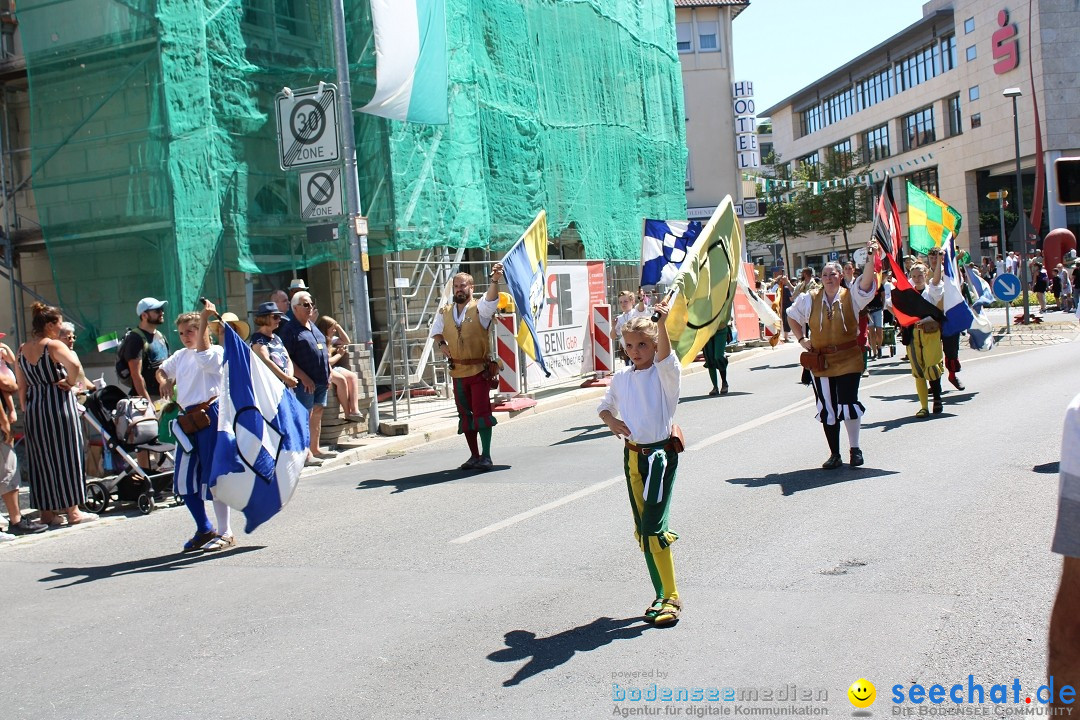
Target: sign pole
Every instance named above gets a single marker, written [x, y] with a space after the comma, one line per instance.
[358, 245]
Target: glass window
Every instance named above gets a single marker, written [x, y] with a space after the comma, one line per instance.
[842, 152]
[973, 93]
[925, 180]
[918, 128]
[970, 53]
[948, 52]
[956, 120]
[707, 36]
[684, 37]
[969, 25]
[689, 179]
[876, 144]
[976, 120]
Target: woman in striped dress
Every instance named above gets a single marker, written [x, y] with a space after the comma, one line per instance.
[54, 439]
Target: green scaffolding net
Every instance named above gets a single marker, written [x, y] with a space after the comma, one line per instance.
[154, 150]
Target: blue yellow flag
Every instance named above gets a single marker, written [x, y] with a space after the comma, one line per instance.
[706, 283]
[525, 267]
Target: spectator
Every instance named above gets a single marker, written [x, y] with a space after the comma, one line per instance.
[988, 269]
[1076, 284]
[295, 286]
[67, 336]
[143, 350]
[10, 475]
[1040, 283]
[280, 298]
[240, 326]
[1064, 288]
[197, 374]
[346, 382]
[999, 266]
[1012, 263]
[630, 310]
[268, 346]
[784, 292]
[807, 282]
[311, 363]
[54, 438]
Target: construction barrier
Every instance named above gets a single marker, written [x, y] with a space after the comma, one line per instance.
[602, 356]
[506, 349]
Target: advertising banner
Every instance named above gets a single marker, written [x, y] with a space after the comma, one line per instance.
[564, 328]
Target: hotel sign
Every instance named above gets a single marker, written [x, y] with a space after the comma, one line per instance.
[746, 144]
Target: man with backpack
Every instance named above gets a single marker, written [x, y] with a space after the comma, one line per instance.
[143, 350]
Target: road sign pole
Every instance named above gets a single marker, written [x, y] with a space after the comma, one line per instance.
[1004, 254]
[361, 308]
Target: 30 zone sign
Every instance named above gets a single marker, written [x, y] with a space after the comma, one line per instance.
[307, 127]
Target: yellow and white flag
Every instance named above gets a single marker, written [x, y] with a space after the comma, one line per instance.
[525, 268]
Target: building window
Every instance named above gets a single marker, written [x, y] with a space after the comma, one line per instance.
[812, 120]
[684, 37]
[918, 128]
[969, 25]
[973, 93]
[976, 120]
[811, 161]
[766, 150]
[970, 53]
[956, 120]
[707, 36]
[948, 53]
[841, 152]
[689, 178]
[925, 180]
[873, 89]
[876, 144]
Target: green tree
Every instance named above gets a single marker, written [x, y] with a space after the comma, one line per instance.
[842, 202]
[781, 219]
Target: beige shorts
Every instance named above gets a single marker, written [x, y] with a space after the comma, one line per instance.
[10, 475]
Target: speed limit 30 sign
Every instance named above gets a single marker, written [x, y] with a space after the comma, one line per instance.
[307, 127]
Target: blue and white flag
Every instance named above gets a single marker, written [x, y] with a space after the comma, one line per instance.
[664, 246]
[262, 437]
[981, 332]
[411, 61]
[525, 269]
[958, 315]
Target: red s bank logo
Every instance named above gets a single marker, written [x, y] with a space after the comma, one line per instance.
[1006, 46]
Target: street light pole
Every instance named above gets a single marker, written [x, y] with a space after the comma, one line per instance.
[1015, 93]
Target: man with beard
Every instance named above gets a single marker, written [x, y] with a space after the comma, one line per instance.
[143, 350]
[460, 331]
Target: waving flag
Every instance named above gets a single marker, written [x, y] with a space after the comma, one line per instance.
[705, 286]
[664, 246]
[929, 220]
[108, 341]
[262, 437]
[958, 315]
[981, 332]
[411, 69]
[762, 307]
[908, 304]
[525, 268]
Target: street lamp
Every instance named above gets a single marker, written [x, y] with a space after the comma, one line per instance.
[1015, 93]
[1000, 196]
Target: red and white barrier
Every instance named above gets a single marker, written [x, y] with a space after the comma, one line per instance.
[506, 349]
[603, 360]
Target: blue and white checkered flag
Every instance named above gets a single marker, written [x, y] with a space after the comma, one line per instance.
[664, 246]
[262, 437]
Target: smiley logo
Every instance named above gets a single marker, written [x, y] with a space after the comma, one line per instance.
[862, 693]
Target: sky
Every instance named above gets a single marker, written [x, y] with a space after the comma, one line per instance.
[784, 45]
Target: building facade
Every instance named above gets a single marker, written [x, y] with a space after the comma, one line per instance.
[926, 106]
[703, 33]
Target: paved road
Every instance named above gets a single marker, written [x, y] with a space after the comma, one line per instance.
[399, 589]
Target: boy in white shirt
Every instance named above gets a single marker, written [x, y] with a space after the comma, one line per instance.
[638, 408]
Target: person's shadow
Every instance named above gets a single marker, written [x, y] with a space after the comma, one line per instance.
[162, 563]
[550, 652]
[436, 477]
[586, 432]
[799, 480]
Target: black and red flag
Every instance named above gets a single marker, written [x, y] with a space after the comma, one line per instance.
[908, 304]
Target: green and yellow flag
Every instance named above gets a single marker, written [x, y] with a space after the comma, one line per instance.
[929, 219]
[706, 283]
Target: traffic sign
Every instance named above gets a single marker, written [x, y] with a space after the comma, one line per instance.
[308, 127]
[834, 256]
[320, 194]
[1007, 287]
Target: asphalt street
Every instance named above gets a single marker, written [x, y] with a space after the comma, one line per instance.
[404, 588]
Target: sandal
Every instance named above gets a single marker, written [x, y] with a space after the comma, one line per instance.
[669, 612]
[653, 610]
[198, 540]
[922, 413]
[221, 542]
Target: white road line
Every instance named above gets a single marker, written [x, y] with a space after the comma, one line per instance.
[711, 440]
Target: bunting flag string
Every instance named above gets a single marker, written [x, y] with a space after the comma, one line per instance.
[816, 186]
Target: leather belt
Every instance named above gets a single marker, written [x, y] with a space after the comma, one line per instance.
[633, 447]
[830, 349]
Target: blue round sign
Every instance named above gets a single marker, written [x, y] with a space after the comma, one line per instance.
[1006, 287]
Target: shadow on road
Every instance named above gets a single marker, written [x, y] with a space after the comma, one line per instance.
[550, 652]
[800, 480]
[887, 425]
[162, 563]
[587, 432]
[1050, 468]
[412, 482]
[775, 367]
[950, 397]
[706, 396]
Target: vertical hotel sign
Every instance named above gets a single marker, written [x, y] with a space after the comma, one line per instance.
[746, 143]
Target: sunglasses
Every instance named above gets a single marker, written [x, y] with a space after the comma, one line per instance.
[307, 305]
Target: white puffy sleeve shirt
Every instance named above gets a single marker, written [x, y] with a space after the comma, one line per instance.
[799, 311]
[198, 374]
[485, 309]
[645, 399]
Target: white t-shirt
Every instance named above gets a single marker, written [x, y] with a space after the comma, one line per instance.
[999, 266]
[645, 399]
[626, 317]
[198, 374]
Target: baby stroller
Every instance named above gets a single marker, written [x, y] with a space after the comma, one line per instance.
[124, 433]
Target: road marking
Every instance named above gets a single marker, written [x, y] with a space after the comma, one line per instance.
[711, 440]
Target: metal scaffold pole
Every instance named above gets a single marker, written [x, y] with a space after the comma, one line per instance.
[358, 246]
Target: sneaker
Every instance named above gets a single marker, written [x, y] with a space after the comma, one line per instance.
[221, 542]
[4, 537]
[26, 526]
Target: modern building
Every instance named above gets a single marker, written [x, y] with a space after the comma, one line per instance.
[926, 106]
[703, 33]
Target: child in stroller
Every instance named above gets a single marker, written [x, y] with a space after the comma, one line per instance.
[123, 434]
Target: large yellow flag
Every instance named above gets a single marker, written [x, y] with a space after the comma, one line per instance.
[706, 283]
[525, 268]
